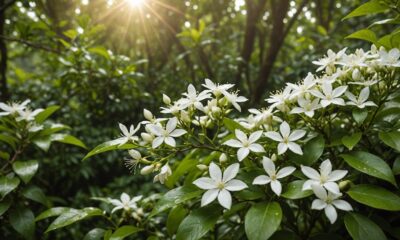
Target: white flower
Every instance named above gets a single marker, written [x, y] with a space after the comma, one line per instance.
[28, 115]
[328, 201]
[166, 134]
[172, 109]
[300, 90]
[390, 58]
[286, 139]
[330, 96]
[265, 116]
[131, 163]
[306, 106]
[245, 144]
[127, 136]
[13, 107]
[219, 185]
[126, 203]
[361, 101]
[216, 89]
[273, 176]
[192, 98]
[234, 99]
[165, 172]
[356, 59]
[280, 98]
[325, 177]
[329, 60]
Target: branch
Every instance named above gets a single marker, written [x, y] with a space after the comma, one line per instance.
[294, 18]
[29, 44]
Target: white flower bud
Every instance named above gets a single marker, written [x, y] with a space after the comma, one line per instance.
[216, 110]
[147, 114]
[356, 75]
[147, 137]
[166, 99]
[185, 116]
[135, 154]
[223, 158]
[147, 169]
[274, 157]
[202, 167]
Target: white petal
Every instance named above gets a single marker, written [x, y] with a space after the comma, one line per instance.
[325, 168]
[307, 184]
[116, 208]
[325, 103]
[242, 153]
[240, 135]
[331, 213]
[268, 165]
[171, 124]
[125, 198]
[225, 199]
[230, 172]
[284, 172]
[255, 147]
[319, 191]
[177, 133]
[209, 196]
[294, 147]
[261, 180]
[282, 148]
[338, 101]
[155, 129]
[339, 91]
[123, 129]
[255, 136]
[284, 128]
[318, 204]
[215, 172]
[170, 141]
[276, 186]
[157, 142]
[296, 135]
[310, 173]
[274, 136]
[205, 183]
[235, 185]
[343, 205]
[233, 143]
[337, 175]
[332, 187]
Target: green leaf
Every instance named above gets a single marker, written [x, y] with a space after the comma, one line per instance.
[72, 216]
[294, 190]
[25, 169]
[198, 223]
[362, 228]
[175, 197]
[95, 234]
[52, 212]
[392, 139]
[231, 125]
[7, 185]
[396, 166]
[188, 163]
[370, 164]
[45, 114]
[175, 217]
[371, 7]
[23, 221]
[101, 51]
[124, 232]
[376, 197]
[364, 34]
[312, 151]
[9, 140]
[4, 205]
[68, 139]
[351, 141]
[262, 220]
[359, 115]
[108, 146]
[36, 194]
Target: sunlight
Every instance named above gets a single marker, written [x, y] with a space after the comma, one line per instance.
[136, 3]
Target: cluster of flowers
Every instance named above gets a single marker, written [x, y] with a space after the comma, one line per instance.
[22, 113]
[292, 118]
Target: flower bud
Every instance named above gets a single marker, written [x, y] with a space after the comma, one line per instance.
[344, 185]
[202, 167]
[147, 169]
[147, 137]
[356, 75]
[223, 158]
[185, 116]
[274, 157]
[166, 99]
[147, 114]
[135, 154]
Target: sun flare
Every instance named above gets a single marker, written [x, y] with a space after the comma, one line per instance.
[135, 3]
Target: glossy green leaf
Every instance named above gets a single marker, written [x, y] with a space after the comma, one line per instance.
[100, 50]
[312, 151]
[174, 197]
[370, 164]
[396, 166]
[392, 139]
[359, 115]
[36, 194]
[123, 232]
[23, 221]
[4, 205]
[175, 217]
[108, 146]
[45, 114]
[376, 197]
[362, 228]
[52, 212]
[364, 34]
[95, 234]
[262, 220]
[198, 223]
[73, 216]
[7, 185]
[351, 141]
[11, 141]
[371, 7]
[25, 169]
[189, 162]
[294, 190]
[231, 125]
[68, 139]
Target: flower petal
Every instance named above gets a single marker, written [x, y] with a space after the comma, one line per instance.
[282, 148]
[225, 199]
[170, 141]
[276, 187]
[235, 185]
[325, 168]
[296, 135]
[215, 172]
[242, 153]
[205, 183]
[177, 133]
[284, 128]
[233, 143]
[331, 213]
[255, 136]
[294, 147]
[268, 165]
[310, 173]
[209, 196]
[319, 191]
[284, 172]
[125, 198]
[307, 184]
[343, 205]
[157, 142]
[332, 187]
[274, 136]
[337, 175]
[230, 172]
[255, 147]
[261, 180]
[318, 204]
[171, 124]
[240, 135]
